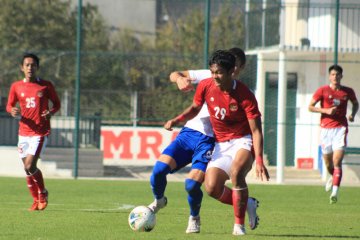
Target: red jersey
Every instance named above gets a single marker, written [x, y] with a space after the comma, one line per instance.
[229, 112]
[329, 98]
[33, 98]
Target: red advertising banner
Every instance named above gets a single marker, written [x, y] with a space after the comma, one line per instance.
[134, 145]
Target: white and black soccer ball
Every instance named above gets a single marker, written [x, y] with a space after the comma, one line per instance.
[142, 219]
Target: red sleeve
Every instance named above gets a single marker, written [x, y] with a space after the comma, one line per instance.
[318, 95]
[352, 95]
[12, 99]
[199, 97]
[54, 99]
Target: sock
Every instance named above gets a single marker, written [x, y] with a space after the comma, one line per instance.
[240, 198]
[195, 196]
[38, 180]
[158, 179]
[334, 191]
[226, 196]
[32, 187]
[337, 176]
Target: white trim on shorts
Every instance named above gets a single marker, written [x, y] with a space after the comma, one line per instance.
[333, 139]
[31, 145]
[225, 152]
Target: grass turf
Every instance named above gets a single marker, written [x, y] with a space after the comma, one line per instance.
[98, 209]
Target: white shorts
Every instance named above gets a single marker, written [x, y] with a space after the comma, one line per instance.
[33, 145]
[225, 152]
[333, 139]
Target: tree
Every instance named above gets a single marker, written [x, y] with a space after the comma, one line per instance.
[32, 26]
[48, 28]
[180, 45]
[113, 67]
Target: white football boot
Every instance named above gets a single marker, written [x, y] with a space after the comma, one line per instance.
[252, 205]
[328, 185]
[193, 225]
[333, 198]
[334, 195]
[158, 204]
[239, 230]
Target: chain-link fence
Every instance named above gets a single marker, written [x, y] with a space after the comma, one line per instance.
[129, 48]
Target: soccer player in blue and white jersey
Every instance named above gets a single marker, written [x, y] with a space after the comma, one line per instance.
[194, 144]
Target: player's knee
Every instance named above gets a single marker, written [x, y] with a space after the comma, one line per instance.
[192, 186]
[28, 167]
[239, 173]
[160, 169]
[213, 190]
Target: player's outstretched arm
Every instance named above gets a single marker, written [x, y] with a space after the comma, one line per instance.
[11, 103]
[256, 131]
[188, 114]
[183, 80]
[53, 97]
[355, 108]
[312, 107]
[15, 112]
[328, 111]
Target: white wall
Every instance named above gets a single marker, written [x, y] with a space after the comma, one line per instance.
[10, 163]
[137, 15]
[318, 24]
[312, 71]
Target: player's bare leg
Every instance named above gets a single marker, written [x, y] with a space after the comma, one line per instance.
[30, 165]
[328, 160]
[240, 167]
[252, 205]
[34, 193]
[215, 179]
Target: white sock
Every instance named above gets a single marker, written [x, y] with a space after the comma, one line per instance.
[335, 190]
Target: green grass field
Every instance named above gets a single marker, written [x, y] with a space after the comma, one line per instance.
[98, 209]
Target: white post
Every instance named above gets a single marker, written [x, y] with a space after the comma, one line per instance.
[260, 82]
[65, 103]
[263, 24]
[324, 174]
[134, 107]
[247, 9]
[281, 119]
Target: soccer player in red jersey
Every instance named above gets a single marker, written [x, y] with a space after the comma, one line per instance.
[236, 121]
[32, 95]
[333, 100]
[185, 81]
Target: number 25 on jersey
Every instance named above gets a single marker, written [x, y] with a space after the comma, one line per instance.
[30, 102]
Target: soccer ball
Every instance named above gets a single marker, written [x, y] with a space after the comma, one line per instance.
[142, 219]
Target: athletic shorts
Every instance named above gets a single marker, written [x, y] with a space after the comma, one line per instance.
[191, 146]
[225, 152]
[333, 139]
[33, 145]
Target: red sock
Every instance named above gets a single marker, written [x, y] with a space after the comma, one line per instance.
[337, 176]
[240, 199]
[226, 196]
[38, 180]
[32, 187]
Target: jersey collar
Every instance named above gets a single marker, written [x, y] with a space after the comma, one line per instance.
[37, 79]
[234, 84]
